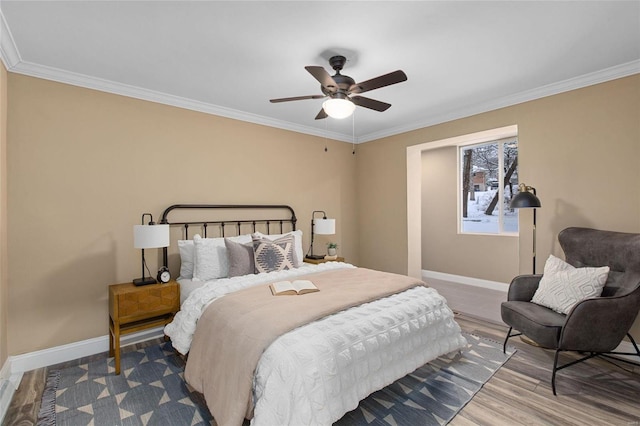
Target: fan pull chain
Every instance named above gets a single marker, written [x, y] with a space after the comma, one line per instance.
[353, 133]
[326, 130]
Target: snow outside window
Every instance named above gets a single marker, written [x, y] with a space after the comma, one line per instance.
[489, 179]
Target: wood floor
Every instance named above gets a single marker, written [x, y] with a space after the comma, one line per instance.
[596, 392]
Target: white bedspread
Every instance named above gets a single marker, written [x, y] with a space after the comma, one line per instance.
[181, 329]
[315, 374]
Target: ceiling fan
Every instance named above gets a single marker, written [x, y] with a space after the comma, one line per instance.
[339, 88]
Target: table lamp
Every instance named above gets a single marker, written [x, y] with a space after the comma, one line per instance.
[322, 226]
[147, 237]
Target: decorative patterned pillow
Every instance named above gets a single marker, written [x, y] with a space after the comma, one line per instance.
[240, 258]
[275, 255]
[563, 285]
[298, 253]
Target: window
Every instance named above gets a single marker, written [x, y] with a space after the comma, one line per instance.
[489, 179]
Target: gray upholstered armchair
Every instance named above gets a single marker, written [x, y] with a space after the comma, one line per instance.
[595, 326]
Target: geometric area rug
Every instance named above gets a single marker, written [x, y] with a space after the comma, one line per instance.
[151, 390]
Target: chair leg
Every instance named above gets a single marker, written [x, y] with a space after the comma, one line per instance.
[504, 345]
[636, 353]
[633, 342]
[591, 355]
[555, 369]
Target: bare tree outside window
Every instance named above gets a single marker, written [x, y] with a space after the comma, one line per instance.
[466, 180]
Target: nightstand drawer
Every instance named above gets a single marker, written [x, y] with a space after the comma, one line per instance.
[129, 303]
[147, 303]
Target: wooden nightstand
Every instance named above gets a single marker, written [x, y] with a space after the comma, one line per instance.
[318, 261]
[134, 308]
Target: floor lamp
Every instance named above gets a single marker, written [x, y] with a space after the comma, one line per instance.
[526, 199]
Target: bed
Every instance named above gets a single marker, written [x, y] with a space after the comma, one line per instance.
[305, 359]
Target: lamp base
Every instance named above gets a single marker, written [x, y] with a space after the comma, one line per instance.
[315, 256]
[144, 281]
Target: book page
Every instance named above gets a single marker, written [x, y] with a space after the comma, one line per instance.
[282, 286]
[304, 286]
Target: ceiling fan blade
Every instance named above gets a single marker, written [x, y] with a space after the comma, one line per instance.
[297, 98]
[370, 103]
[323, 77]
[378, 82]
[321, 115]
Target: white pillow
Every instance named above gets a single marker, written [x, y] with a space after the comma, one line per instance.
[213, 265]
[186, 258]
[563, 285]
[210, 259]
[298, 258]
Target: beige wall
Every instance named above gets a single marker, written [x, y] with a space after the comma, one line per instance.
[4, 285]
[84, 165]
[473, 255]
[579, 149]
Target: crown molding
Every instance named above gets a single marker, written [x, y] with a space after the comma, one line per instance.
[607, 74]
[14, 63]
[8, 50]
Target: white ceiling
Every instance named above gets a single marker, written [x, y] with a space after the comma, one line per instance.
[230, 58]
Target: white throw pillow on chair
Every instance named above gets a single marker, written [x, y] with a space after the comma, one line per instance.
[562, 285]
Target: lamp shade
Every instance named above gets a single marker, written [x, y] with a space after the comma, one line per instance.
[338, 108]
[150, 236]
[324, 226]
[525, 199]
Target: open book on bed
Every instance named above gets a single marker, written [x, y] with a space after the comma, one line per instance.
[292, 288]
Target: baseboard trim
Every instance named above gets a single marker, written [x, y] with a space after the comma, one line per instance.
[5, 371]
[8, 384]
[7, 387]
[71, 351]
[6, 394]
[464, 280]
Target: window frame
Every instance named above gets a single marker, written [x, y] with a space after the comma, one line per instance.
[500, 141]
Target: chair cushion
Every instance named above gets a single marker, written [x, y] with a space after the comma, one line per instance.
[563, 285]
[541, 324]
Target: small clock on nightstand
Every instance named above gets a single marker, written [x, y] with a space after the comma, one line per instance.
[164, 276]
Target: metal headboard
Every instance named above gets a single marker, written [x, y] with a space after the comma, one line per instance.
[278, 222]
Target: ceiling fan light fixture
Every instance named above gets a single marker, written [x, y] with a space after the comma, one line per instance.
[338, 108]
